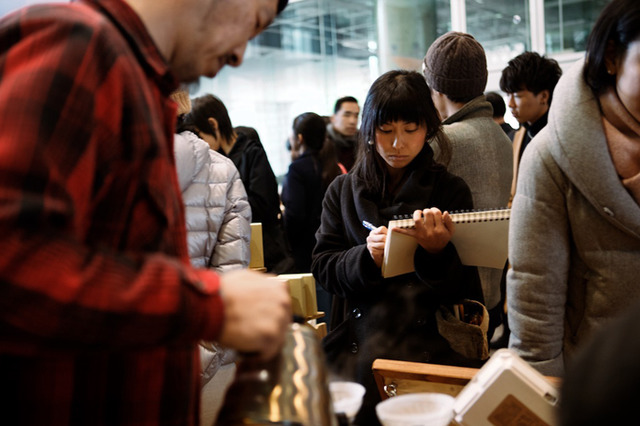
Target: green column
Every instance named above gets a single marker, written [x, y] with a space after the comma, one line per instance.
[406, 29]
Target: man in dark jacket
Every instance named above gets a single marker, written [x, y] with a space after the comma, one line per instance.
[343, 130]
[529, 80]
[210, 119]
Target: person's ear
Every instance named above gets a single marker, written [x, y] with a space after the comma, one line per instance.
[214, 125]
[438, 100]
[297, 142]
[544, 97]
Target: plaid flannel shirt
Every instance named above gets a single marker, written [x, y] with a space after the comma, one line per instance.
[100, 311]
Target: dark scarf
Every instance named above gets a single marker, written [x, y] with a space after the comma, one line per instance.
[342, 141]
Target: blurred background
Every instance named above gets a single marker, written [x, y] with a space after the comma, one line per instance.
[319, 50]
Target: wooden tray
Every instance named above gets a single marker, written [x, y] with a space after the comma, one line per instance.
[402, 377]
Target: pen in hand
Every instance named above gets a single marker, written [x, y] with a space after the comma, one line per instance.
[368, 225]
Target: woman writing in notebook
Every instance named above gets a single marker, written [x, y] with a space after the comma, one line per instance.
[396, 174]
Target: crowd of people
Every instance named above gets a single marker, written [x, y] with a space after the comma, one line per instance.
[126, 211]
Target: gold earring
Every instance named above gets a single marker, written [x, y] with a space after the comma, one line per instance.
[610, 72]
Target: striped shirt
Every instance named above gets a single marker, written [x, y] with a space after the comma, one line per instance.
[100, 311]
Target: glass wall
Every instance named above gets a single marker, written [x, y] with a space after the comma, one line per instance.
[501, 26]
[406, 29]
[316, 52]
[320, 50]
[567, 23]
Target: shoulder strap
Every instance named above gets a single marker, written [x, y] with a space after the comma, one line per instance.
[518, 137]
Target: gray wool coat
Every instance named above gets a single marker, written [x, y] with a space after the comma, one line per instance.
[574, 235]
[482, 155]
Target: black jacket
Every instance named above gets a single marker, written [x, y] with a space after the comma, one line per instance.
[388, 318]
[302, 193]
[260, 183]
[346, 147]
[532, 131]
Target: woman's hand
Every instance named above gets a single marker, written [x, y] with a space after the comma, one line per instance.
[375, 244]
[433, 229]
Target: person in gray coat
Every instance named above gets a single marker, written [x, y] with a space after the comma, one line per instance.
[455, 68]
[574, 236]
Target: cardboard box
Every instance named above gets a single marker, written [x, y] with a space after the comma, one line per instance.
[256, 247]
[303, 294]
[507, 391]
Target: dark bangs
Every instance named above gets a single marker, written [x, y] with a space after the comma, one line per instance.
[400, 105]
[402, 96]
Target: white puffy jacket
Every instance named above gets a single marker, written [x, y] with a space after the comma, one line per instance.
[218, 219]
[218, 215]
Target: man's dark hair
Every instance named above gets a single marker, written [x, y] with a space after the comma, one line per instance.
[282, 4]
[619, 24]
[342, 100]
[530, 71]
[210, 106]
[497, 102]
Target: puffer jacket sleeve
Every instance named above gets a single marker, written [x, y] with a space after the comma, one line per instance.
[232, 249]
[193, 166]
[217, 212]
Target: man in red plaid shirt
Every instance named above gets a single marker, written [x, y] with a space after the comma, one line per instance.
[100, 311]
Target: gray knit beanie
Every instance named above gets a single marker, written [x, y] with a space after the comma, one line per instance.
[456, 66]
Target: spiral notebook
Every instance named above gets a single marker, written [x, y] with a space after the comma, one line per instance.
[481, 239]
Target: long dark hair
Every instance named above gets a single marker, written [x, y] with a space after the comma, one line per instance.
[313, 129]
[618, 23]
[394, 96]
